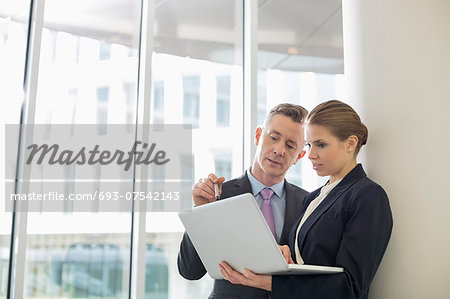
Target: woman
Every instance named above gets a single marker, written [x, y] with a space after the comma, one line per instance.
[347, 223]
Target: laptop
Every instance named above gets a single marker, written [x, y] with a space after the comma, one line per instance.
[234, 230]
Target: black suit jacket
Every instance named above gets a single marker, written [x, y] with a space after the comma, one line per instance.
[350, 229]
[190, 265]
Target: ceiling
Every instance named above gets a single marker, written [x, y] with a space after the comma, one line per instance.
[295, 35]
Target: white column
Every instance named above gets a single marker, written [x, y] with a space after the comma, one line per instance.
[397, 63]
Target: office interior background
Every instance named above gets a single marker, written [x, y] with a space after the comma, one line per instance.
[220, 65]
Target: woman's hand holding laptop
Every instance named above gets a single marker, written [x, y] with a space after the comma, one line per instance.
[286, 253]
[249, 278]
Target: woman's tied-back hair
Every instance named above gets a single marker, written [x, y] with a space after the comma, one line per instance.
[295, 112]
[340, 119]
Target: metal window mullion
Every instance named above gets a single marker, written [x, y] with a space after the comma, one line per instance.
[138, 240]
[250, 79]
[16, 281]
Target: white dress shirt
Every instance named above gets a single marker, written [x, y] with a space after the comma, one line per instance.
[311, 207]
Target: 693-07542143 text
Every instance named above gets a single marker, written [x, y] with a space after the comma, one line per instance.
[97, 195]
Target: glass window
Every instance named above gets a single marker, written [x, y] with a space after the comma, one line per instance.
[158, 103]
[102, 108]
[14, 16]
[197, 79]
[87, 75]
[129, 90]
[223, 101]
[104, 51]
[222, 165]
[262, 97]
[300, 60]
[191, 101]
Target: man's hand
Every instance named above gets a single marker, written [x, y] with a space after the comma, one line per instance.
[247, 277]
[286, 253]
[203, 191]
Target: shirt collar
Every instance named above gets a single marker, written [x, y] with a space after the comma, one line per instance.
[257, 186]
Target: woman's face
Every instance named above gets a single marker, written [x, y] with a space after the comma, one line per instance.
[329, 155]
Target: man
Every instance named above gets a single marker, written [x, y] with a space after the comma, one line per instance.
[279, 146]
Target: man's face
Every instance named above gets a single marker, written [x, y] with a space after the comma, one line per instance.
[280, 145]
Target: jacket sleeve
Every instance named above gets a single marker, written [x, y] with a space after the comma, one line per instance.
[189, 264]
[364, 240]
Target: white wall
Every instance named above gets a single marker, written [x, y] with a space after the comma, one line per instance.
[397, 62]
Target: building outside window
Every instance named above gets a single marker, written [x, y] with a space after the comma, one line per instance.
[158, 103]
[191, 101]
[104, 51]
[102, 108]
[129, 89]
[222, 165]
[223, 101]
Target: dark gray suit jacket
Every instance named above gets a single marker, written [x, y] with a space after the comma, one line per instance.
[191, 267]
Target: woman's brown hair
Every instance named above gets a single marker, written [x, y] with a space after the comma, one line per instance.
[340, 119]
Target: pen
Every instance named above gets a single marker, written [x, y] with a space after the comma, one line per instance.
[216, 191]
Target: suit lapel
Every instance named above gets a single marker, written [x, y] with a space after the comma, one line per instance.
[293, 205]
[241, 185]
[293, 230]
[354, 175]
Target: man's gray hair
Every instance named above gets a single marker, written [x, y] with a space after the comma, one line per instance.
[295, 112]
